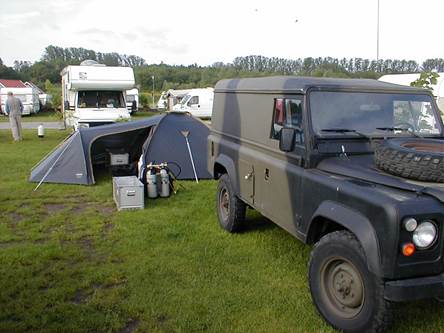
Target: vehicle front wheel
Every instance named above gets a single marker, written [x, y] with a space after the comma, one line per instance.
[230, 209]
[346, 294]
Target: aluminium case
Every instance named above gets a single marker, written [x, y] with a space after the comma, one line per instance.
[128, 193]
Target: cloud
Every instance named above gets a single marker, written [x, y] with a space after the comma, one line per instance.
[153, 40]
[96, 31]
[20, 18]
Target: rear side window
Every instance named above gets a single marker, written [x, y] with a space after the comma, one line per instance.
[287, 113]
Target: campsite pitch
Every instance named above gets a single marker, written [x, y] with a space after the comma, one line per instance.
[69, 262]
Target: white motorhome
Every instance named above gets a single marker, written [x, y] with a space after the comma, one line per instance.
[406, 79]
[94, 94]
[132, 100]
[198, 102]
[28, 96]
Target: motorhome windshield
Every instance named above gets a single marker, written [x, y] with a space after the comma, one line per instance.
[185, 99]
[100, 99]
[373, 113]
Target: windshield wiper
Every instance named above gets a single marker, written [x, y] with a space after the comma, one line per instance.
[344, 130]
[393, 129]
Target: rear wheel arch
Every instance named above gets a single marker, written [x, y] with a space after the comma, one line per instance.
[332, 216]
[225, 165]
[218, 170]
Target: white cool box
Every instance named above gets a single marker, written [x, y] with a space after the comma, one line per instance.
[128, 193]
[119, 159]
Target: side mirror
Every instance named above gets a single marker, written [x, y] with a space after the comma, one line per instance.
[66, 105]
[286, 142]
[133, 106]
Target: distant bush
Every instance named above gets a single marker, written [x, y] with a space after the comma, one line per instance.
[143, 99]
[56, 92]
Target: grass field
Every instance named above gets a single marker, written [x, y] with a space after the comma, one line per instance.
[43, 116]
[69, 262]
[48, 116]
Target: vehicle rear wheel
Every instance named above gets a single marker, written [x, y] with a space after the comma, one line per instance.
[346, 294]
[230, 209]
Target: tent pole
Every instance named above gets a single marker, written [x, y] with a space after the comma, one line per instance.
[185, 134]
[52, 166]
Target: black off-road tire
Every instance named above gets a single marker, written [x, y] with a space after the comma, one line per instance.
[341, 253]
[230, 209]
[398, 157]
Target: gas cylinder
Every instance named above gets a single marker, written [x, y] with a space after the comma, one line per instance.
[151, 182]
[164, 183]
[41, 131]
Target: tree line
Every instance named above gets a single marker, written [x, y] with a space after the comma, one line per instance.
[55, 58]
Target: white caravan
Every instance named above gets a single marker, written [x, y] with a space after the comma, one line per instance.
[44, 98]
[132, 100]
[406, 79]
[94, 94]
[198, 102]
[28, 96]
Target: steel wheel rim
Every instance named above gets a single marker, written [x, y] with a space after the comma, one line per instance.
[224, 203]
[342, 287]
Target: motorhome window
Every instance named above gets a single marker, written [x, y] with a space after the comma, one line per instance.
[130, 98]
[287, 113]
[366, 112]
[193, 100]
[100, 99]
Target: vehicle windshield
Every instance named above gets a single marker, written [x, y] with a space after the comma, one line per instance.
[185, 99]
[373, 114]
[100, 99]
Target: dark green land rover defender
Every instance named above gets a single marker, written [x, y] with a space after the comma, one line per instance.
[355, 167]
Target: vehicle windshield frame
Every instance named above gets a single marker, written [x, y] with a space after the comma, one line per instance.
[383, 133]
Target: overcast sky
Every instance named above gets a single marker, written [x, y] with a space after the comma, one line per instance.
[203, 32]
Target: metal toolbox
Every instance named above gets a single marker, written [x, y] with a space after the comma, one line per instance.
[118, 159]
[128, 193]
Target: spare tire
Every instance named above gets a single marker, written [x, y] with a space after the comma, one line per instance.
[420, 159]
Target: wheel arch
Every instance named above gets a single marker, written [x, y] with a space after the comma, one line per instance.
[331, 216]
[224, 164]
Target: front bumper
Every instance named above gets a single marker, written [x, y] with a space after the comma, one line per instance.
[414, 289]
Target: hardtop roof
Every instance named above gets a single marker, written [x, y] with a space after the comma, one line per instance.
[300, 84]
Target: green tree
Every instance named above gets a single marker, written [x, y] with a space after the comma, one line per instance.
[55, 91]
[426, 80]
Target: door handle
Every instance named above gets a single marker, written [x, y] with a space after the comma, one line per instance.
[266, 174]
[248, 176]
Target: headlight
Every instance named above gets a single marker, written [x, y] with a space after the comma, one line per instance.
[410, 224]
[425, 235]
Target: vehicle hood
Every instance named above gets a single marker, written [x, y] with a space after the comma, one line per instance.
[179, 107]
[105, 114]
[364, 168]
